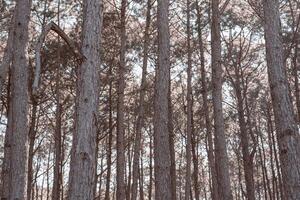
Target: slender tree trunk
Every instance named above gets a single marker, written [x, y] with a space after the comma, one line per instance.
[141, 179]
[162, 156]
[189, 108]
[120, 108]
[217, 81]
[58, 124]
[110, 138]
[100, 179]
[32, 135]
[82, 170]
[172, 147]
[129, 158]
[150, 168]
[211, 159]
[286, 126]
[194, 142]
[140, 118]
[247, 159]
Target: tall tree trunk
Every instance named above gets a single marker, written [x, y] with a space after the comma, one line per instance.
[194, 141]
[217, 81]
[162, 156]
[189, 108]
[172, 147]
[17, 119]
[286, 126]
[82, 169]
[58, 124]
[110, 138]
[141, 111]
[150, 168]
[211, 159]
[120, 108]
[247, 158]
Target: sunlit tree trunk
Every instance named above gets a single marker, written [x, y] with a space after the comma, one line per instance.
[286, 126]
[82, 169]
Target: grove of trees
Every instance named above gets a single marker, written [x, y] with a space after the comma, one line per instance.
[149, 99]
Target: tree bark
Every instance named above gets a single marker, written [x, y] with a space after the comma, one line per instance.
[286, 126]
[82, 169]
[161, 106]
[18, 132]
[189, 108]
[221, 157]
[121, 195]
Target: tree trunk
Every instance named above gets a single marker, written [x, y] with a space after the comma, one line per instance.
[120, 108]
[140, 118]
[211, 159]
[32, 135]
[189, 108]
[150, 168]
[217, 81]
[17, 119]
[286, 126]
[162, 157]
[247, 158]
[82, 169]
[194, 141]
[110, 138]
[172, 147]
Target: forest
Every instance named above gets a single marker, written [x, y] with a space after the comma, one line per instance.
[149, 99]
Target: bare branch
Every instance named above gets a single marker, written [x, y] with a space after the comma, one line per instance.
[54, 27]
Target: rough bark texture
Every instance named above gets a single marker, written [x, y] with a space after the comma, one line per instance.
[120, 108]
[189, 108]
[82, 171]
[286, 126]
[141, 111]
[161, 107]
[221, 157]
[17, 133]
